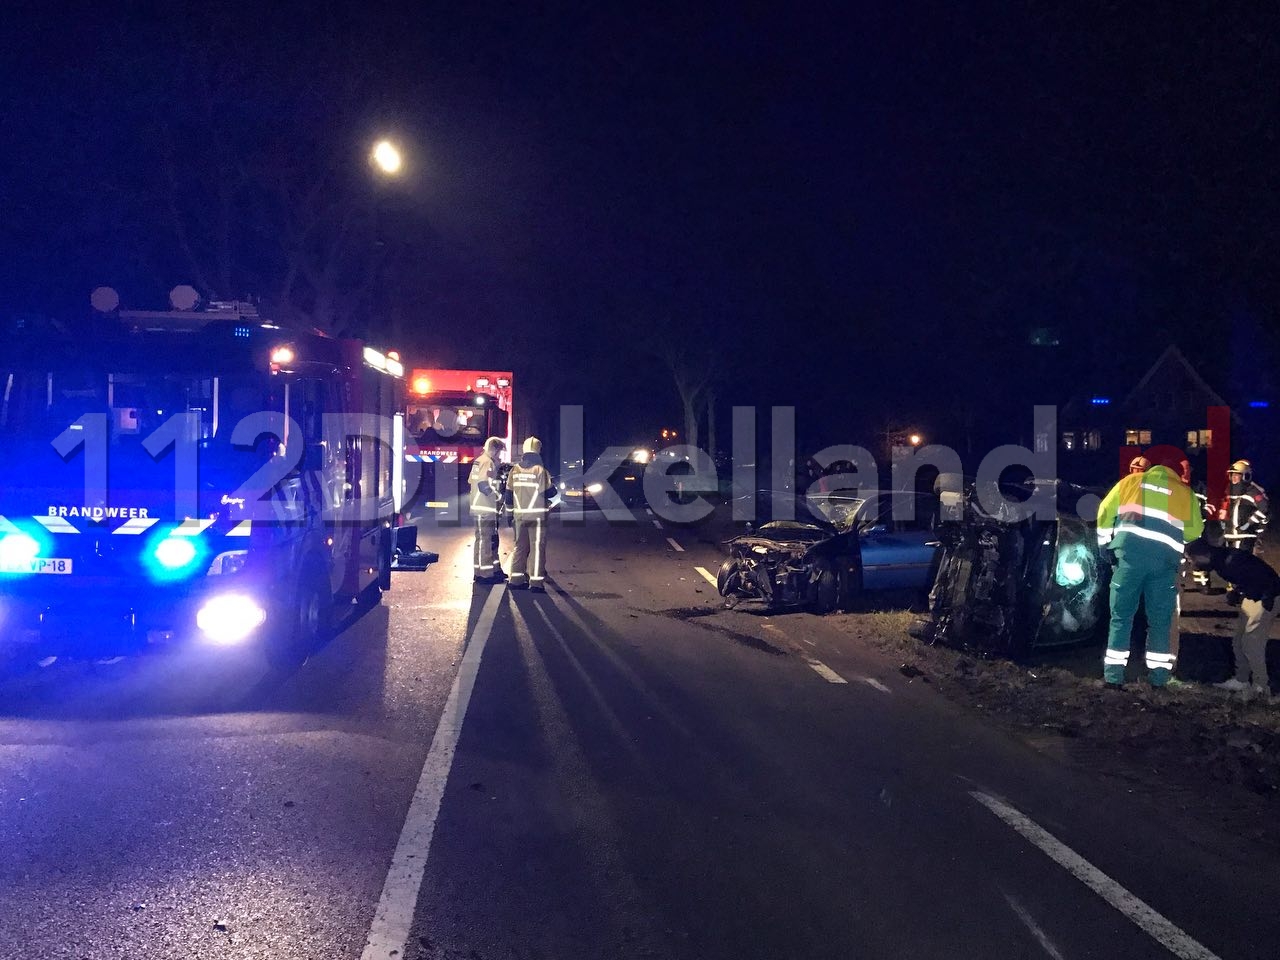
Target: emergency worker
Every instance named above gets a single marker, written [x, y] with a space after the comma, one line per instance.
[531, 499]
[1145, 521]
[485, 500]
[1139, 465]
[1245, 511]
[1259, 586]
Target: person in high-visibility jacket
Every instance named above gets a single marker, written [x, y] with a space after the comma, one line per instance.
[532, 498]
[484, 503]
[1145, 521]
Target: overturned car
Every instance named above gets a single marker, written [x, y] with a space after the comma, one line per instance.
[1008, 583]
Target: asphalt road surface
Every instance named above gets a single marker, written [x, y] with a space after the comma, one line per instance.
[618, 768]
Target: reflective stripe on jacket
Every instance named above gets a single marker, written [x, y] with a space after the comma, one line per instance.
[1245, 514]
[484, 484]
[1155, 505]
[529, 484]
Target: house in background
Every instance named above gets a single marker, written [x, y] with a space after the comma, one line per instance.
[1168, 405]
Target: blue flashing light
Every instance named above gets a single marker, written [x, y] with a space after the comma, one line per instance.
[168, 558]
[243, 333]
[17, 550]
[173, 553]
[1100, 401]
[1259, 404]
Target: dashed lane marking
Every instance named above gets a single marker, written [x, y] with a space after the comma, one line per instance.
[1029, 922]
[1173, 938]
[656, 524]
[675, 546]
[393, 917]
[873, 682]
[825, 672]
[706, 575]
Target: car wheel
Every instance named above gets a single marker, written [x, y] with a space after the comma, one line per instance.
[826, 595]
[728, 579]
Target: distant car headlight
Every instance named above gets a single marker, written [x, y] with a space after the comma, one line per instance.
[594, 487]
[232, 561]
[230, 618]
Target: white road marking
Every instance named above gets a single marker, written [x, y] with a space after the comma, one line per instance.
[1174, 939]
[1029, 922]
[649, 511]
[825, 672]
[873, 682]
[675, 546]
[394, 915]
[707, 576]
[656, 524]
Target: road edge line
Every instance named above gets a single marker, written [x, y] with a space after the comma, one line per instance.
[393, 917]
[1164, 931]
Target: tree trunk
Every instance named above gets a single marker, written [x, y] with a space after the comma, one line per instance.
[690, 418]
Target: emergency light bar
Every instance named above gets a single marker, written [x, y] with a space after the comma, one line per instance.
[380, 361]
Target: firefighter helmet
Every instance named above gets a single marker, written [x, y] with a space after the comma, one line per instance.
[494, 445]
[1242, 467]
[533, 445]
[1139, 465]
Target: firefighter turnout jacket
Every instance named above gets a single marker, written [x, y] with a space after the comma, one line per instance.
[484, 479]
[530, 484]
[1155, 506]
[1244, 512]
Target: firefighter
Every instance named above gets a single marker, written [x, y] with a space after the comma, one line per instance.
[1139, 465]
[531, 499]
[1245, 511]
[486, 497]
[1145, 521]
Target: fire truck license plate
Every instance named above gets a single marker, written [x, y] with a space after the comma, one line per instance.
[39, 565]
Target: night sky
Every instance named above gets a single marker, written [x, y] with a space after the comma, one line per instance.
[865, 214]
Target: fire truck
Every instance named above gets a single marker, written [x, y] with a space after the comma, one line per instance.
[192, 476]
[448, 416]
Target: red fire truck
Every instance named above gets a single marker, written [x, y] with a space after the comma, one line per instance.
[448, 416]
[200, 474]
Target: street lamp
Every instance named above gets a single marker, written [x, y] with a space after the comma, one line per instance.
[387, 158]
[915, 439]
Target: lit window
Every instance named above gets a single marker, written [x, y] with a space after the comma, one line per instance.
[1092, 440]
[1069, 440]
[1199, 439]
[1137, 438]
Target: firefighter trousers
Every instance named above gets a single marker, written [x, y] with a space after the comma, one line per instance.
[1146, 572]
[1253, 630]
[529, 560]
[486, 548]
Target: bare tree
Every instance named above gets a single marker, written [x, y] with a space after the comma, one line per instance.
[693, 365]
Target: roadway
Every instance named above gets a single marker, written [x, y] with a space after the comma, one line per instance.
[618, 768]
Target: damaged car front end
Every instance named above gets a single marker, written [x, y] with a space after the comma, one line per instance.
[1007, 583]
[810, 562]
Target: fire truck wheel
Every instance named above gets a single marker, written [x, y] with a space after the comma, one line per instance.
[310, 625]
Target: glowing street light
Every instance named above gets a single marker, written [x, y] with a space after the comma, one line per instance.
[387, 158]
[915, 439]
